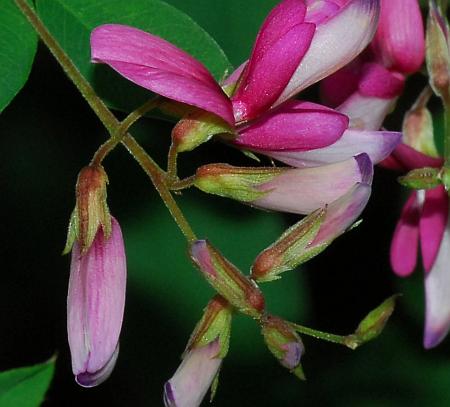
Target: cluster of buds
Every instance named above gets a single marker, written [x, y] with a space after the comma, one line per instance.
[329, 152]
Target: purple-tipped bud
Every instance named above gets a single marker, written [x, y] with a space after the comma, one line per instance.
[191, 381]
[95, 305]
[284, 343]
[400, 40]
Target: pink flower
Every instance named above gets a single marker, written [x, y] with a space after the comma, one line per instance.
[375, 80]
[424, 219]
[95, 305]
[299, 43]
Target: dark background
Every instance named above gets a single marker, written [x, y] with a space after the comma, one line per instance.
[48, 133]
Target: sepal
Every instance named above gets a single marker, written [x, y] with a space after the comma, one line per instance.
[197, 128]
[289, 250]
[91, 210]
[227, 280]
[421, 178]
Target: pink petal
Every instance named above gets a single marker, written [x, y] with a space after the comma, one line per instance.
[95, 305]
[190, 383]
[341, 214]
[432, 224]
[336, 42]
[336, 88]
[411, 159]
[269, 70]
[437, 293]
[366, 112]
[305, 190]
[159, 66]
[296, 126]
[376, 144]
[406, 238]
[400, 40]
[320, 10]
[379, 82]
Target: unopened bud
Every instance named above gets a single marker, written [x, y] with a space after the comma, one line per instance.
[227, 280]
[375, 321]
[437, 52]
[289, 250]
[284, 343]
[422, 178]
[418, 130]
[197, 128]
[91, 210]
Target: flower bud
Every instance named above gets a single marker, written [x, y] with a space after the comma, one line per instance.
[91, 210]
[373, 324]
[418, 130]
[206, 349]
[288, 251]
[284, 343]
[227, 280]
[399, 41]
[197, 128]
[437, 52]
[421, 178]
[95, 305]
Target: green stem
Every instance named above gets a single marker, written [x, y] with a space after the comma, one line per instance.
[118, 135]
[111, 123]
[350, 341]
[172, 157]
[447, 134]
[182, 184]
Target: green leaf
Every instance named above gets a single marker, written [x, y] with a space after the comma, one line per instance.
[71, 22]
[26, 386]
[17, 49]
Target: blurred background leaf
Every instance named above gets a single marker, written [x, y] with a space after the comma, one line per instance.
[26, 386]
[17, 48]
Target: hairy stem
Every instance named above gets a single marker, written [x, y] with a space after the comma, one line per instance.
[111, 123]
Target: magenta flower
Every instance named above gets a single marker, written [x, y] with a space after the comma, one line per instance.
[424, 219]
[95, 305]
[194, 376]
[299, 43]
[374, 81]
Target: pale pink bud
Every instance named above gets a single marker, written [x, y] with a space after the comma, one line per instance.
[193, 378]
[95, 305]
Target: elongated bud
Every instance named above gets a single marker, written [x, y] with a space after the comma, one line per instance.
[375, 321]
[227, 280]
[206, 349]
[418, 130]
[289, 250]
[91, 210]
[438, 58]
[95, 305]
[284, 343]
[422, 178]
[294, 190]
[197, 128]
